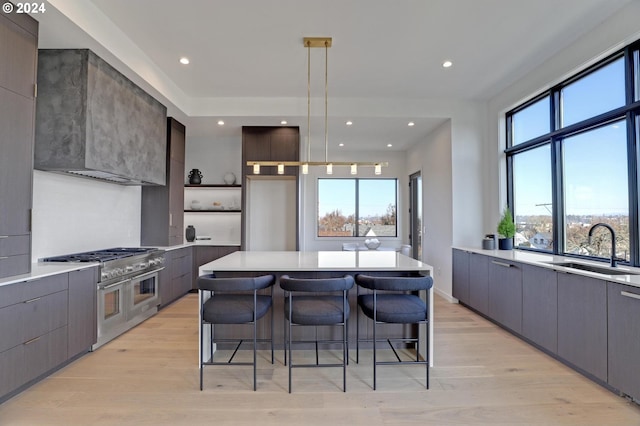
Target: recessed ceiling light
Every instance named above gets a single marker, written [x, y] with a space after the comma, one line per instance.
[220, 123]
[340, 144]
[389, 145]
[283, 122]
[411, 123]
[184, 61]
[447, 64]
[349, 123]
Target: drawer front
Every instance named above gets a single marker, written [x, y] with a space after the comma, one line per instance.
[15, 265]
[19, 292]
[13, 245]
[30, 319]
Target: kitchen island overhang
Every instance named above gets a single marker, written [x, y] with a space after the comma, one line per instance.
[317, 264]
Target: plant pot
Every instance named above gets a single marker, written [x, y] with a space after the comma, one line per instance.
[505, 243]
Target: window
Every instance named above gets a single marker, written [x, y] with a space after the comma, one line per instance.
[565, 178]
[531, 121]
[596, 190]
[533, 199]
[357, 207]
[594, 94]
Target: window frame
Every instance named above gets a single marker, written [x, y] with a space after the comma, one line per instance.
[357, 206]
[630, 112]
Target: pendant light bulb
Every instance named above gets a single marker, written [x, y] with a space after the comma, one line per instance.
[280, 169]
[329, 169]
[378, 169]
[305, 169]
[354, 169]
[256, 169]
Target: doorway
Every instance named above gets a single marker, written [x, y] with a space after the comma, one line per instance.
[415, 215]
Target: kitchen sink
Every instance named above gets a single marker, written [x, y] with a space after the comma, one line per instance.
[594, 268]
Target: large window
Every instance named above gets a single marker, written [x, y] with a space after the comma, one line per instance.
[572, 161]
[357, 207]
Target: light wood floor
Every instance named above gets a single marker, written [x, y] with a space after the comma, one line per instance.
[483, 375]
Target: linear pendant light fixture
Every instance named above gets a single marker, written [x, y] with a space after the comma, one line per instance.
[310, 42]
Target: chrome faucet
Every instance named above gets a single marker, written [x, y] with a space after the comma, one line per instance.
[613, 240]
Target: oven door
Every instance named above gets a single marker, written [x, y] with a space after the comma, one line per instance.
[143, 294]
[111, 309]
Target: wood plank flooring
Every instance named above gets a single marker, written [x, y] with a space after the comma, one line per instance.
[483, 376]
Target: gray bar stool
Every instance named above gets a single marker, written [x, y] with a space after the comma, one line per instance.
[393, 300]
[234, 301]
[318, 306]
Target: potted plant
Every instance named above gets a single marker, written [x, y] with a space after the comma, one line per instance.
[507, 230]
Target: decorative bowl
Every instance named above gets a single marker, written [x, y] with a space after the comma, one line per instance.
[372, 244]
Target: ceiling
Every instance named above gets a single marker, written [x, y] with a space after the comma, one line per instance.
[249, 67]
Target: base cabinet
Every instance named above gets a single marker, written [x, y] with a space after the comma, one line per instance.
[479, 283]
[83, 316]
[540, 306]
[582, 323]
[461, 275]
[175, 279]
[206, 254]
[624, 338]
[505, 293]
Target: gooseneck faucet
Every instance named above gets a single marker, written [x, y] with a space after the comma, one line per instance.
[613, 240]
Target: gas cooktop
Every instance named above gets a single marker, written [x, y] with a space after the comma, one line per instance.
[100, 255]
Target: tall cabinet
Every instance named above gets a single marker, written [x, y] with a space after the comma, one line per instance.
[18, 65]
[162, 206]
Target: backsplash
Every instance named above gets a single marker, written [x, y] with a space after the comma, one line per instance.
[72, 214]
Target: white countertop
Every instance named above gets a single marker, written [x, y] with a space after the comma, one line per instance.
[288, 261]
[45, 269]
[544, 260]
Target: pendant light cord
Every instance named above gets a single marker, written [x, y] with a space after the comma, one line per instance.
[326, 91]
[308, 101]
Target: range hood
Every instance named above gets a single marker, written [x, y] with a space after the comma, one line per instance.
[93, 122]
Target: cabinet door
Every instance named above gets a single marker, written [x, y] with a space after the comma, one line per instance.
[624, 338]
[82, 327]
[164, 281]
[18, 48]
[285, 146]
[176, 140]
[16, 162]
[461, 275]
[256, 146]
[582, 323]
[505, 293]
[540, 306]
[479, 282]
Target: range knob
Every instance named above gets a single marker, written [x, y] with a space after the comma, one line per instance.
[129, 268]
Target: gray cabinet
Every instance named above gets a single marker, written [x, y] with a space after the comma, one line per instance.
[33, 330]
[540, 306]
[270, 144]
[461, 275]
[83, 315]
[479, 283]
[505, 293]
[163, 206]
[18, 62]
[176, 279]
[624, 338]
[582, 323]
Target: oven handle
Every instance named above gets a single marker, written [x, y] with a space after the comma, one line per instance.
[146, 274]
[105, 287]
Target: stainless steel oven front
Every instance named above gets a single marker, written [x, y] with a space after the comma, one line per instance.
[142, 294]
[112, 315]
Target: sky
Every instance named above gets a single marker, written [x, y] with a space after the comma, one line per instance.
[595, 162]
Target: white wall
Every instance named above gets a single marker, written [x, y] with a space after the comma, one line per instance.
[72, 214]
[214, 158]
[432, 158]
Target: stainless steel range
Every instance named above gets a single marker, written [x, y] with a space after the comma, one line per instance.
[128, 287]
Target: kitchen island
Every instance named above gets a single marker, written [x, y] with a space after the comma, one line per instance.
[318, 264]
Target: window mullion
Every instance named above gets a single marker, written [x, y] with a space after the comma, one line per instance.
[557, 182]
[357, 224]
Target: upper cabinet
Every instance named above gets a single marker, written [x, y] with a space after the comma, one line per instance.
[162, 206]
[270, 144]
[92, 121]
[18, 60]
